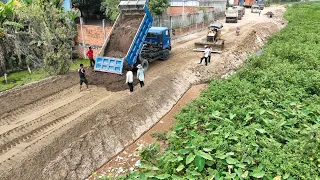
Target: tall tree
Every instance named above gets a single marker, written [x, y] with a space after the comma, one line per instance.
[111, 8]
[157, 7]
[50, 35]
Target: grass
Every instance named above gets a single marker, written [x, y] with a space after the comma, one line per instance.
[77, 63]
[21, 78]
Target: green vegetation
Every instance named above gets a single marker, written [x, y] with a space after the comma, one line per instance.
[24, 77]
[36, 34]
[21, 78]
[261, 123]
[77, 62]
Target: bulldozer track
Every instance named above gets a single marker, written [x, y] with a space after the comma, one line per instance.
[29, 125]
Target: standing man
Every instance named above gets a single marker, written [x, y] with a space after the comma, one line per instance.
[90, 56]
[129, 79]
[205, 55]
[209, 56]
[140, 75]
[82, 74]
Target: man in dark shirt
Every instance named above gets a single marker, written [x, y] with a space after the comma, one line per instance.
[82, 74]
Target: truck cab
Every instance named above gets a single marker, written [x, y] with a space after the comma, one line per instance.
[159, 36]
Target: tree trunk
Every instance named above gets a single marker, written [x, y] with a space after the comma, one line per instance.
[3, 55]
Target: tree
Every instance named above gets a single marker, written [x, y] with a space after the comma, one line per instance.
[111, 9]
[157, 7]
[49, 39]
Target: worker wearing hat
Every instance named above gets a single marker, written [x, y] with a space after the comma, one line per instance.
[140, 75]
[205, 55]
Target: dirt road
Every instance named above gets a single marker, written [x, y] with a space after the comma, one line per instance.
[49, 130]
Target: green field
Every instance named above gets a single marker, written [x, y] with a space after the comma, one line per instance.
[17, 79]
[261, 123]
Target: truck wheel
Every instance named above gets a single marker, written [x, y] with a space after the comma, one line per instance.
[165, 55]
[145, 64]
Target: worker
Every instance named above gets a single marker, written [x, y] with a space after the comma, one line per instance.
[209, 56]
[238, 31]
[83, 78]
[205, 55]
[129, 79]
[90, 56]
[140, 75]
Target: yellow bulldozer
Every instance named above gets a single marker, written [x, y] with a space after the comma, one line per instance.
[213, 39]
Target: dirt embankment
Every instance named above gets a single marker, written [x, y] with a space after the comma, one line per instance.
[122, 35]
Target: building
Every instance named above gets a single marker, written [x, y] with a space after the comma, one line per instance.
[219, 5]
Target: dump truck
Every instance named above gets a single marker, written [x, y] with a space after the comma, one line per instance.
[231, 15]
[212, 40]
[132, 40]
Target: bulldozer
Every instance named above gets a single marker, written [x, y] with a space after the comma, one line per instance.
[213, 39]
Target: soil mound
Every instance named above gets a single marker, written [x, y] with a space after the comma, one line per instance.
[122, 35]
[112, 82]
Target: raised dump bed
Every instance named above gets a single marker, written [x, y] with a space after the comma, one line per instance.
[126, 38]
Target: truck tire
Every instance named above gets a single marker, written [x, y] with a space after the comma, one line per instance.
[145, 64]
[165, 55]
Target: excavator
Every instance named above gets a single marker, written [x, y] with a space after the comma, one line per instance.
[213, 39]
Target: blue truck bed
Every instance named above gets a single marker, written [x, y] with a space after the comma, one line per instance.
[125, 41]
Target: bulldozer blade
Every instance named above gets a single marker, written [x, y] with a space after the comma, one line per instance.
[202, 50]
[216, 46]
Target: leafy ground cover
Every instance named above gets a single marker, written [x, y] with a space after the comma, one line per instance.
[24, 77]
[261, 123]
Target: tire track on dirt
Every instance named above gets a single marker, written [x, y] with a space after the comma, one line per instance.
[16, 137]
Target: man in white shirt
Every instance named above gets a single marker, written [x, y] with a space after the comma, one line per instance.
[140, 75]
[209, 55]
[205, 55]
[129, 79]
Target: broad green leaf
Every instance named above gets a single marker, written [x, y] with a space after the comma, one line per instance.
[243, 166]
[257, 173]
[210, 127]
[227, 135]
[190, 158]
[190, 177]
[180, 168]
[199, 161]
[238, 172]
[163, 176]
[262, 111]
[193, 134]
[277, 178]
[204, 155]
[184, 151]
[231, 116]
[286, 176]
[179, 127]
[175, 177]
[230, 154]
[231, 160]
[262, 131]
[221, 156]
[208, 149]
[194, 173]
[149, 175]
[179, 158]
[245, 174]
[194, 121]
